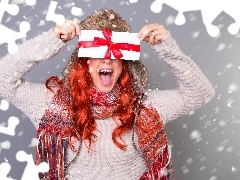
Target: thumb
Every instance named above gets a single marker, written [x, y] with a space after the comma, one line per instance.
[57, 31]
[147, 38]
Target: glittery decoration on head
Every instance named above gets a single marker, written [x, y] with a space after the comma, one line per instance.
[105, 18]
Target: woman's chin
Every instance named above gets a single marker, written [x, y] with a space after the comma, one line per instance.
[104, 88]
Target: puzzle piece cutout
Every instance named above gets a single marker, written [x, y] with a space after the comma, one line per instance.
[24, 27]
[51, 16]
[4, 170]
[30, 2]
[12, 36]
[31, 170]
[59, 18]
[4, 105]
[209, 9]
[10, 130]
[12, 9]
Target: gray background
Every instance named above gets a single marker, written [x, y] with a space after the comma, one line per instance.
[205, 143]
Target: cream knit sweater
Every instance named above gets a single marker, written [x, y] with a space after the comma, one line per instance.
[108, 161]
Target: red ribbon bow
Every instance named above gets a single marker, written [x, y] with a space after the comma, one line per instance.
[112, 47]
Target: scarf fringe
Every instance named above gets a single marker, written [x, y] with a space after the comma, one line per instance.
[161, 167]
[52, 149]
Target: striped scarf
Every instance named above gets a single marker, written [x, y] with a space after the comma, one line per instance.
[53, 135]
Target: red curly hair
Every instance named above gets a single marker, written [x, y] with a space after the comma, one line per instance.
[84, 121]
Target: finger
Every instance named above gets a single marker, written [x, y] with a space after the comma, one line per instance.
[147, 30]
[146, 39]
[141, 31]
[152, 37]
[160, 37]
[73, 34]
[70, 26]
[67, 25]
[144, 28]
[156, 35]
[77, 28]
[62, 31]
[71, 30]
[64, 34]
[155, 41]
[152, 26]
[147, 26]
[144, 32]
[57, 31]
[160, 34]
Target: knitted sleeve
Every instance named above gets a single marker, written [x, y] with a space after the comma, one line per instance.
[28, 97]
[194, 88]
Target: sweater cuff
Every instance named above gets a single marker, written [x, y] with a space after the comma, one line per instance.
[167, 47]
[54, 44]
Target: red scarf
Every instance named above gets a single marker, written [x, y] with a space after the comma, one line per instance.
[104, 104]
[53, 134]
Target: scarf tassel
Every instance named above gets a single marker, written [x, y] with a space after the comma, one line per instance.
[161, 168]
[52, 150]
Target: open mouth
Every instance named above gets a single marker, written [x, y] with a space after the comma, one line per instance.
[106, 76]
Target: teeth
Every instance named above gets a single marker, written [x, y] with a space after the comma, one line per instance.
[105, 70]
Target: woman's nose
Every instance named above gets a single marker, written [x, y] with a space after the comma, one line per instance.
[107, 61]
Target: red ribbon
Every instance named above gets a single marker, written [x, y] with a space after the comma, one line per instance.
[112, 47]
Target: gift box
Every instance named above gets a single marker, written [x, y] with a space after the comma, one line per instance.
[109, 44]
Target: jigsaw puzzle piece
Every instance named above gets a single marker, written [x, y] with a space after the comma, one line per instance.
[232, 9]
[208, 18]
[32, 170]
[10, 130]
[4, 105]
[12, 9]
[51, 16]
[180, 6]
[9, 36]
[4, 170]
[30, 2]
[156, 6]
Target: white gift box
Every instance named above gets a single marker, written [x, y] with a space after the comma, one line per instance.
[100, 51]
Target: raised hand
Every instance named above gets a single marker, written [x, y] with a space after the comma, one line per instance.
[68, 30]
[152, 33]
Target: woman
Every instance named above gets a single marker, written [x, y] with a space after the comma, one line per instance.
[97, 118]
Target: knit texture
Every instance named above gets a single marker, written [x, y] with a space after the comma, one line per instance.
[107, 161]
